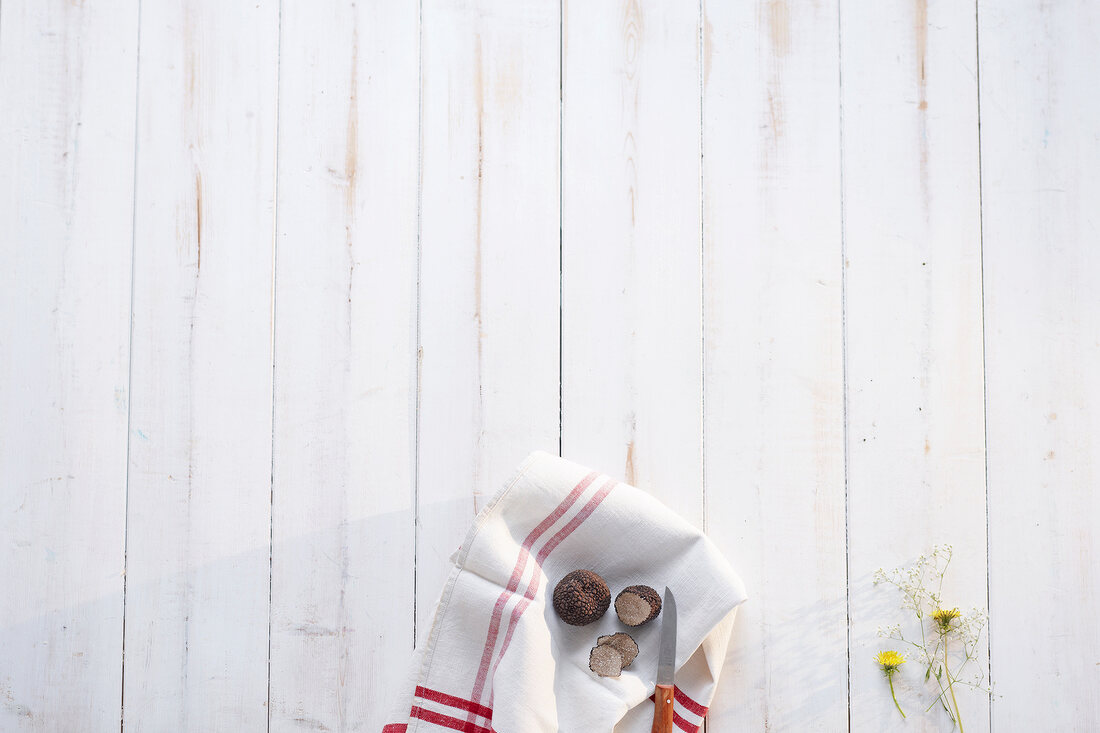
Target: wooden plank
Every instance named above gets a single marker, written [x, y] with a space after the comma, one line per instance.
[67, 75]
[774, 382]
[916, 472]
[1040, 154]
[200, 460]
[631, 227]
[489, 281]
[345, 364]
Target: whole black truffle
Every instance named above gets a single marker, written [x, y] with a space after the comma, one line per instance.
[581, 597]
[637, 605]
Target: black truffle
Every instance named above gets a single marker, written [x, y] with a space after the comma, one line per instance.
[605, 660]
[581, 597]
[637, 605]
[624, 643]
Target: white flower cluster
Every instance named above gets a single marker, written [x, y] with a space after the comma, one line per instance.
[921, 588]
[921, 583]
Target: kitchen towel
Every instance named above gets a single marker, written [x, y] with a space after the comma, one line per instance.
[499, 660]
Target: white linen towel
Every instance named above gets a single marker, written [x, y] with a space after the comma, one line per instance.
[499, 660]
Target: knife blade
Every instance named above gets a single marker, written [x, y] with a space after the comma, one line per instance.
[664, 695]
[666, 660]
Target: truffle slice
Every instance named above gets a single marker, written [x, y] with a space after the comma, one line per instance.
[624, 643]
[637, 605]
[605, 660]
[581, 597]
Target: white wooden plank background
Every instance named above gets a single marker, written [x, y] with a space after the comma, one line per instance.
[199, 490]
[67, 103]
[1040, 151]
[488, 276]
[774, 379]
[345, 358]
[290, 288]
[913, 335]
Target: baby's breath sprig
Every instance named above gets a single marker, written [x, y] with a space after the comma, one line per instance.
[921, 587]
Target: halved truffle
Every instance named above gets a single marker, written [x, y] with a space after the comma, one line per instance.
[581, 597]
[624, 643]
[605, 660]
[637, 605]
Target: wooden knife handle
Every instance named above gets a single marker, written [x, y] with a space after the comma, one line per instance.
[662, 709]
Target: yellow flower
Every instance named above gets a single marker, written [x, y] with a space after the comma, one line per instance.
[944, 617]
[889, 661]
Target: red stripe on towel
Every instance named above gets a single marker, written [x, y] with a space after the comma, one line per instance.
[533, 587]
[517, 575]
[687, 702]
[455, 702]
[683, 724]
[395, 728]
[446, 721]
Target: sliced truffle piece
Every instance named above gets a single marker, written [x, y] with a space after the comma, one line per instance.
[581, 597]
[637, 605]
[624, 643]
[605, 660]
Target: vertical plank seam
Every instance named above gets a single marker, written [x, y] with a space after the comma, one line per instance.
[274, 303]
[700, 61]
[561, 223]
[419, 259]
[985, 380]
[130, 375]
[844, 360]
[699, 58]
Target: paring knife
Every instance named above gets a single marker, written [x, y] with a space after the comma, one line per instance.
[666, 668]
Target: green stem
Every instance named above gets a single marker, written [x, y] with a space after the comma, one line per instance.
[942, 700]
[890, 679]
[951, 686]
